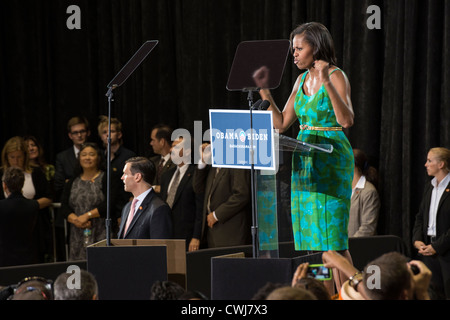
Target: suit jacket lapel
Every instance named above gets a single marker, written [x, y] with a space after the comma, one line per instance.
[166, 182]
[124, 220]
[444, 196]
[184, 181]
[168, 164]
[427, 206]
[139, 210]
[216, 179]
[73, 160]
[356, 194]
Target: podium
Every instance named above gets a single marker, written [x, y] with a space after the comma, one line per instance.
[240, 278]
[259, 64]
[126, 269]
[273, 194]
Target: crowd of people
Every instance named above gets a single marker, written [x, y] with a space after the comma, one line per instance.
[171, 195]
[333, 196]
[78, 182]
[29, 187]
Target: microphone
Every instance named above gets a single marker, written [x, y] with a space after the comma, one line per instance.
[256, 105]
[264, 105]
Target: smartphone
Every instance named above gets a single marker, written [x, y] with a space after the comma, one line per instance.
[318, 272]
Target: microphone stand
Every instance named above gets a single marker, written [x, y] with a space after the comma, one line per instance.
[254, 229]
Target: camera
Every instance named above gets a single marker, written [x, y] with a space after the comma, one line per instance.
[318, 272]
[415, 270]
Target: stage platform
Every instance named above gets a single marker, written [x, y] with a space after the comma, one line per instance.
[222, 273]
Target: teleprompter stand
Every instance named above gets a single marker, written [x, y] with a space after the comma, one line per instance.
[253, 58]
[116, 82]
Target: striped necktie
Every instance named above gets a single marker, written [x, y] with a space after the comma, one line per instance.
[173, 188]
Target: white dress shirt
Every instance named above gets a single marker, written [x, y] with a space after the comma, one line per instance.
[141, 198]
[436, 195]
[28, 190]
[360, 185]
[76, 151]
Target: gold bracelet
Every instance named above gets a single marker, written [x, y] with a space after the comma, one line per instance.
[89, 214]
[355, 279]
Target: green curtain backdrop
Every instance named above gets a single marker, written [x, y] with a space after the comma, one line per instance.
[399, 74]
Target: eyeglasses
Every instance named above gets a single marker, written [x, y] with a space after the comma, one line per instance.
[81, 132]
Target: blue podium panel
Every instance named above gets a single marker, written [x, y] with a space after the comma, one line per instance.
[235, 145]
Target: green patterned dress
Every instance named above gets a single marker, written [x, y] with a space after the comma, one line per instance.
[321, 182]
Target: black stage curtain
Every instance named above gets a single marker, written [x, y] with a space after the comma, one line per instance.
[399, 73]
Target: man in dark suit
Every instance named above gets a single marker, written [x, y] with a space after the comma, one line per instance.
[147, 216]
[18, 216]
[66, 161]
[161, 142]
[431, 233]
[178, 192]
[226, 206]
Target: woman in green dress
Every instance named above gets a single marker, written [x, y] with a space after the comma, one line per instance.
[321, 182]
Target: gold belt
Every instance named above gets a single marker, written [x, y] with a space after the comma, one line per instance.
[306, 127]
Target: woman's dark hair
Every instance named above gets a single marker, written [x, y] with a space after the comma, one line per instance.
[319, 38]
[166, 290]
[362, 163]
[101, 161]
[192, 295]
[41, 157]
[315, 287]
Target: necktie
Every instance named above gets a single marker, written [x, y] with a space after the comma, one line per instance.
[159, 170]
[130, 215]
[173, 188]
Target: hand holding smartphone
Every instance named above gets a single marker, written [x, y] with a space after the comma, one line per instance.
[319, 272]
